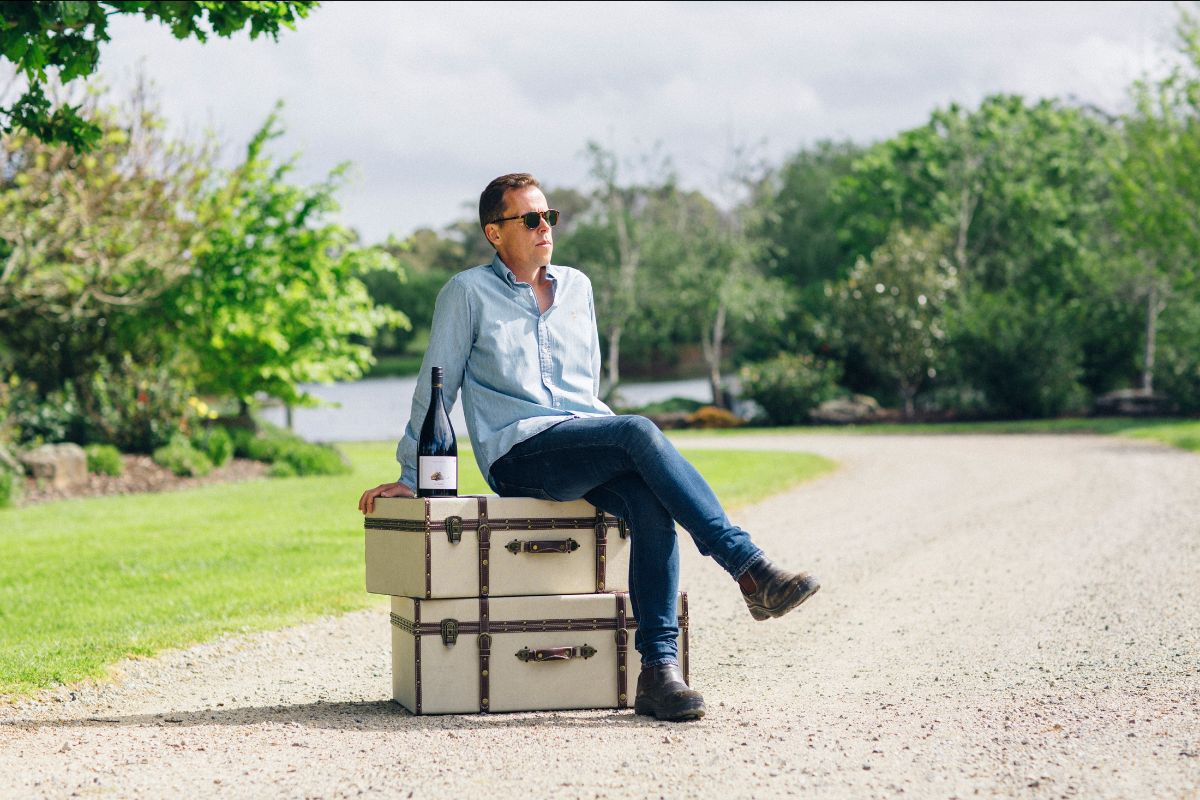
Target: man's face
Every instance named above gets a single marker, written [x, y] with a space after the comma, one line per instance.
[519, 247]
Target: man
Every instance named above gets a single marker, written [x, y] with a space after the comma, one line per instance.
[519, 337]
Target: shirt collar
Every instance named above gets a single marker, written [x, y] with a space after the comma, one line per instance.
[505, 274]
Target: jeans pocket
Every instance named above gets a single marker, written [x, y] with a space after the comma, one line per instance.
[505, 489]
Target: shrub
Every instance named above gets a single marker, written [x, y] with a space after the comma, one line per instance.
[182, 459]
[215, 442]
[10, 487]
[1177, 371]
[713, 417]
[266, 444]
[277, 446]
[36, 420]
[281, 469]
[669, 406]
[104, 459]
[788, 386]
[137, 407]
[241, 438]
[314, 459]
[1023, 354]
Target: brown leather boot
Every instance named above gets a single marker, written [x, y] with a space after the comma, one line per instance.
[663, 694]
[772, 592]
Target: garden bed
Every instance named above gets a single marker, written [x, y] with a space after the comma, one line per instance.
[141, 474]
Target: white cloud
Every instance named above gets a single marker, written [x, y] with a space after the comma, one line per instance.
[430, 100]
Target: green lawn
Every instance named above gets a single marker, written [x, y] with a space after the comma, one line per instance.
[84, 583]
[1182, 433]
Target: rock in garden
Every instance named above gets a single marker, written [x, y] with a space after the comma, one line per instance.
[61, 465]
[846, 410]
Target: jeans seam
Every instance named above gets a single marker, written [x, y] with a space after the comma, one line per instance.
[547, 450]
[660, 661]
[750, 562]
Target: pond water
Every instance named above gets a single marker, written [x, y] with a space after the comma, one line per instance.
[378, 408]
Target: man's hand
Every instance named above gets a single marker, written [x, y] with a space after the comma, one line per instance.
[366, 504]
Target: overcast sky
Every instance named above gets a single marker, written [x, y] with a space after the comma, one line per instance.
[430, 101]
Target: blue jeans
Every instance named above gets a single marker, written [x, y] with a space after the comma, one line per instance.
[626, 467]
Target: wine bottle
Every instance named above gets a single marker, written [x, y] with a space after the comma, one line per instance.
[437, 449]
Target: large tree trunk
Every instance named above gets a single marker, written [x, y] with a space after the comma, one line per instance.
[908, 391]
[614, 358]
[965, 212]
[712, 343]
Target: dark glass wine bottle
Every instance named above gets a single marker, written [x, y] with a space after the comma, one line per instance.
[437, 449]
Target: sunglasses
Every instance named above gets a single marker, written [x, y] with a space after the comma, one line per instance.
[533, 219]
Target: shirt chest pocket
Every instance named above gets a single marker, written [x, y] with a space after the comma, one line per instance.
[506, 344]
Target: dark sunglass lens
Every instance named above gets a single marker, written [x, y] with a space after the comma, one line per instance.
[552, 218]
[532, 220]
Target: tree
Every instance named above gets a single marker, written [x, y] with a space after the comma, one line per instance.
[893, 307]
[1025, 191]
[66, 37]
[427, 261]
[273, 299]
[710, 263]
[1158, 189]
[800, 222]
[623, 221]
[92, 242]
[1022, 188]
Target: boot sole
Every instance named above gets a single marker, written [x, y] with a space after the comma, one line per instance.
[681, 715]
[761, 613]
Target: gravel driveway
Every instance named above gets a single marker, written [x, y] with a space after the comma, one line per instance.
[1009, 616]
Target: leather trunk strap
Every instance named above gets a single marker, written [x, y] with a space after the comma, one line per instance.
[622, 652]
[428, 554]
[484, 531]
[485, 656]
[683, 631]
[601, 549]
[417, 656]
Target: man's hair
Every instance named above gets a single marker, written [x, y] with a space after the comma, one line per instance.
[491, 202]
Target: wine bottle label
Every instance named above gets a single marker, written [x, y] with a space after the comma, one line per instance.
[437, 472]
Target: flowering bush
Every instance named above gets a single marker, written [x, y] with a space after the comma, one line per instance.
[788, 386]
[713, 417]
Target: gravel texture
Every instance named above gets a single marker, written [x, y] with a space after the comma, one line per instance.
[1000, 617]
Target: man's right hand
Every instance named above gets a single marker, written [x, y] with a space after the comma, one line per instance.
[366, 503]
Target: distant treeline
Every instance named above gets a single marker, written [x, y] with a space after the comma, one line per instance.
[1018, 259]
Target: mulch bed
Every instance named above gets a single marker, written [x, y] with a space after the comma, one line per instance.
[143, 475]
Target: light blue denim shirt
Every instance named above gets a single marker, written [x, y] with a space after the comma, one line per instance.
[520, 371]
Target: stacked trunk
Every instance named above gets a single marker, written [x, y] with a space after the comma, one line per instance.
[505, 603]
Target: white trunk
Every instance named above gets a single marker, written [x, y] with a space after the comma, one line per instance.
[614, 357]
[1152, 310]
[712, 344]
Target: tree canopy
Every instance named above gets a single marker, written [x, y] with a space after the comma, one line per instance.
[63, 38]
